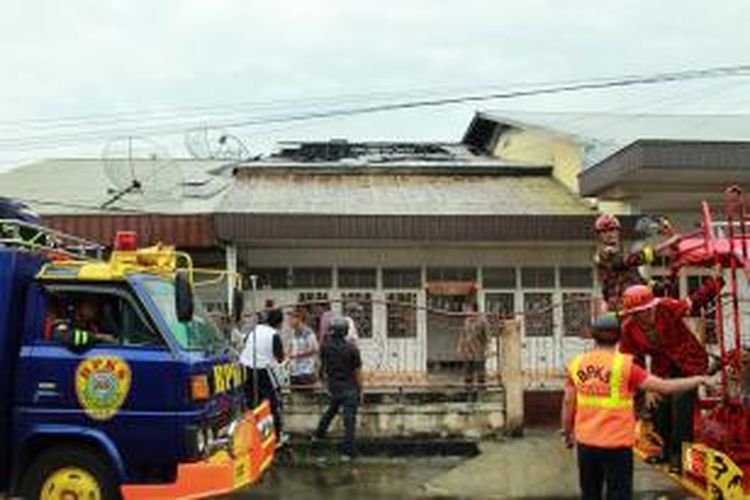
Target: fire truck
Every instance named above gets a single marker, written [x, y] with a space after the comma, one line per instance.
[716, 464]
[114, 381]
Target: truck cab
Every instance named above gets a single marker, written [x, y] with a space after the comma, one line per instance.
[116, 383]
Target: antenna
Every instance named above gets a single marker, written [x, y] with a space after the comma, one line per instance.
[140, 170]
[211, 143]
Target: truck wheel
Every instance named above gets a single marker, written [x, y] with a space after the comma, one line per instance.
[69, 473]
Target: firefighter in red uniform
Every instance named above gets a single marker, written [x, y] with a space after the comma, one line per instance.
[597, 413]
[616, 268]
[655, 327]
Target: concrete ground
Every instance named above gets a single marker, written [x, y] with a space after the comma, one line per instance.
[535, 466]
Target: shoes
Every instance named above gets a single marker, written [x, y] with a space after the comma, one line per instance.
[675, 465]
[283, 440]
[660, 458]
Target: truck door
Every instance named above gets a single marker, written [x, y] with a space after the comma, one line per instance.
[121, 383]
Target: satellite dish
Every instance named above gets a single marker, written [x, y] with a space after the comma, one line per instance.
[210, 143]
[140, 170]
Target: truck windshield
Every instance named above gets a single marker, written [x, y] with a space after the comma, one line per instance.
[199, 334]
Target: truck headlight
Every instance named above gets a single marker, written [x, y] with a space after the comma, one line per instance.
[197, 441]
[201, 441]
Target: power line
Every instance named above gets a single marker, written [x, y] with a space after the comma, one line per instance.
[46, 140]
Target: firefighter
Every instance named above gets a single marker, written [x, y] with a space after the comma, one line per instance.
[598, 415]
[82, 328]
[656, 327]
[618, 269]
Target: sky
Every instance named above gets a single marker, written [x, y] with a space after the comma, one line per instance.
[78, 76]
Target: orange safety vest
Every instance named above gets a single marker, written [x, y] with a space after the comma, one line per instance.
[604, 403]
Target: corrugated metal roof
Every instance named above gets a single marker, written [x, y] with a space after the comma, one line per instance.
[73, 186]
[394, 194]
[190, 231]
[601, 134]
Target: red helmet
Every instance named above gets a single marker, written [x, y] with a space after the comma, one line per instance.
[606, 222]
[638, 298]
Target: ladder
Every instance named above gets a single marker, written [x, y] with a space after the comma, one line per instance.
[32, 237]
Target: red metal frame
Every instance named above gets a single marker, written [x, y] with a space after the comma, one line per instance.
[723, 422]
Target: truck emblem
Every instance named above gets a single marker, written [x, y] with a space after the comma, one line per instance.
[102, 384]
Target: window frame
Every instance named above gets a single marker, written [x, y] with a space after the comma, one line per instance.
[121, 290]
[415, 306]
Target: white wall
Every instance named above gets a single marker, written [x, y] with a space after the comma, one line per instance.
[546, 357]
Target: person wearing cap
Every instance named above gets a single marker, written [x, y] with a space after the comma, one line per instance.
[341, 367]
[656, 327]
[616, 268]
[598, 415]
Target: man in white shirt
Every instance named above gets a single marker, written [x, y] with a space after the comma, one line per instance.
[263, 349]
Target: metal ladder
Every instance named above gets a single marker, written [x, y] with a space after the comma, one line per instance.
[31, 237]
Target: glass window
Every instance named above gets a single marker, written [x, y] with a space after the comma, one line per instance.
[200, 333]
[357, 278]
[401, 310]
[501, 304]
[451, 274]
[576, 313]
[538, 277]
[538, 315]
[499, 277]
[110, 318]
[316, 304]
[312, 277]
[402, 278]
[270, 278]
[358, 307]
[576, 277]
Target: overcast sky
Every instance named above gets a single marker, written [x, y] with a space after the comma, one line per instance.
[155, 68]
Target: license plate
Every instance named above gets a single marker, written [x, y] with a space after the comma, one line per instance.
[241, 471]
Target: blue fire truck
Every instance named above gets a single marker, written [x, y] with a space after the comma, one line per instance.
[114, 381]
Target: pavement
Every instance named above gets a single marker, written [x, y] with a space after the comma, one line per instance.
[535, 466]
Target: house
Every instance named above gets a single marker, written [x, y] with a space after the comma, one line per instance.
[406, 233]
[409, 233]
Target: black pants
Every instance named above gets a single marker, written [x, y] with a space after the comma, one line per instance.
[349, 401]
[474, 370]
[605, 469]
[673, 421]
[267, 389]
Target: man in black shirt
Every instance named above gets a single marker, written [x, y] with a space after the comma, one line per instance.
[341, 367]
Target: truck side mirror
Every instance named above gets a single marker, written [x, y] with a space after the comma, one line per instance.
[238, 305]
[184, 302]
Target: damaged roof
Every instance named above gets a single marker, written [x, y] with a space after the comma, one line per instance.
[406, 193]
[602, 134]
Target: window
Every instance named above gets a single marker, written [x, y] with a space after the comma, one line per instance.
[198, 334]
[312, 277]
[110, 317]
[271, 278]
[576, 313]
[315, 304]
[576, 277]
[538, 314]
[358, 306]
[401, 310]
[402, 278]
[357, 278]
[538, 277]
[451, 274]
[501, 304]
[499, 277]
